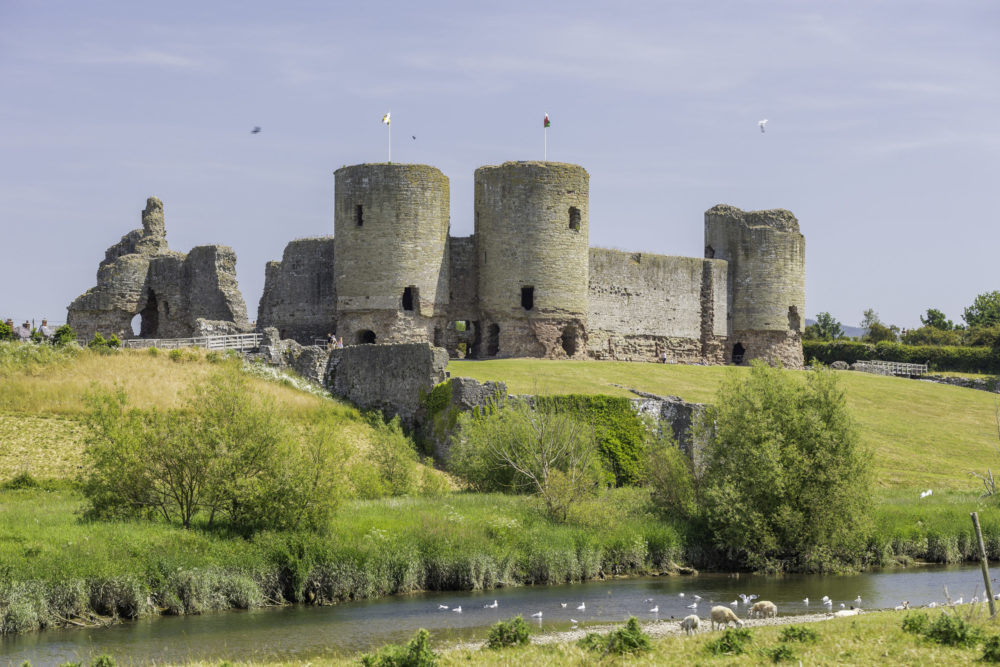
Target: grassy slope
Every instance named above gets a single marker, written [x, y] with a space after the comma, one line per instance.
[922, 434]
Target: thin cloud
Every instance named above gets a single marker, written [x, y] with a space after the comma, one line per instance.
[144, 57]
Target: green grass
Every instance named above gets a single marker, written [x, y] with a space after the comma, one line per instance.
[870, 639]
[922, 434]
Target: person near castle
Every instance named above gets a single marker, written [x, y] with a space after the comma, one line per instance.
[340, 343]
[331, 342]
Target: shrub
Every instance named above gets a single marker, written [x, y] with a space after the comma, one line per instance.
[97, 341]
[940, 357]
[952, 631]
[732, 641]
[521, 449]
[103, 661]
[22, 480]
[670, 474]
[6, 332]
[785, 474]
[416, 653]
[512, 632]
[798, 633]
[628, 639]
[991, 649]
[780, 653]
[63, 335]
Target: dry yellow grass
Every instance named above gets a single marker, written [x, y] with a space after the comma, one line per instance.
[45, 447]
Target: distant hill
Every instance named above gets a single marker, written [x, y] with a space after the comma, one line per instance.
[850, 332]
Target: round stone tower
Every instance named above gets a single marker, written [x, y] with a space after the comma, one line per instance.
[532, 229]
[390, 251]
[766, 282]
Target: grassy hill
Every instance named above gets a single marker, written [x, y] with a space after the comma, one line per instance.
[922, 434]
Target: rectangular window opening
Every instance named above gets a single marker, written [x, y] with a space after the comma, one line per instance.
[574, 218]
[527, 297]
[409, 297]
[359, 217]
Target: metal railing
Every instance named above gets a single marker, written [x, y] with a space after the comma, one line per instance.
[896, 368]
[249, 341]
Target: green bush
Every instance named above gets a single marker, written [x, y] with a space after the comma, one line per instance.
[780, 653]
[785, 474]
[991, 649]
[670, 474]
[953, 631]
[512, 632]
[6, 332]
[63, 335]
[22, 480]
[732, 641]
[103, 661]
[416, 653]
[798, 633]
[626, 640]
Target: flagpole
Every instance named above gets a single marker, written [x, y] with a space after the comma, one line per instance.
[545, 142]
[390, 136]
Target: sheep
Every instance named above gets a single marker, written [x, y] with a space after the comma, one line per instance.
[690, 624]
[724, 616]
[763, 609]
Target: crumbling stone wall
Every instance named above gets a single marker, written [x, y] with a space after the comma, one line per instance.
[177, 295]
[642, 305]
[300, 297]
[390, 378]
[766, 281]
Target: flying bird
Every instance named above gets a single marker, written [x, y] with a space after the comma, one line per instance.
[762, 123]
[562, 604]
[414, 138]
[255, 130]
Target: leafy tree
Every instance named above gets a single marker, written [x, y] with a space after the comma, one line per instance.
[6, 332]
[521, 449]
[671, 479]
[936, 319]
[825, 328]
[64, 335]
[879, 332]
[786, 478]
[984, 311]
[929, 335]
[868, 318]
[985, 336]
[227, 454]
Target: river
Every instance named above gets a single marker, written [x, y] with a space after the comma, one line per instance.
[304, 632]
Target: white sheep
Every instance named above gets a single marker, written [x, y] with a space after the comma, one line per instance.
[690, 624]
[763, 609]
[725, 616]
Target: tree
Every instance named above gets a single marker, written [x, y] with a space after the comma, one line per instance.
[786, 480]
[929, 335]
[64, 335]
[869, 317]
[523, 449]
[936, 319]
[984, 311]
[825, 328]
[6, 332]
[875, 331]
[227, 454]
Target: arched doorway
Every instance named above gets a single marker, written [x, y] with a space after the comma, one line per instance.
[569, 339]
[149, 324]
[493, 341]
[738, 353]
[366, 337]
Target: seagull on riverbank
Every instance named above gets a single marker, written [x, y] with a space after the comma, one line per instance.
[442, 606]
[458, 609]
[655, 610]
[734, 603]
[680, 595]
[693, 605]
[491, 606]
[537, 614]
[806, 600]
[932, 605]
[825, 598]
[857, 600]
[574, 621]
[582, 607]
[924, 494]
[697, 598]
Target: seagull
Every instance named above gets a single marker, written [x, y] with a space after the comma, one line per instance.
[752, 597]
[574, 621]
[491, 606]
[537, 614]
[806, 600]
[842, 605]
[932, 605]
[562, 604]
[442, 606]
[255, 130]
[655, 610]
[958, 601]
[826, 598]
[762, 123]
[693, 605]
[924, 494]
[857, 600]
[648, 600]
[734, 603]
[680, 595]
[697, 598]
[583, 605]
[458, 609]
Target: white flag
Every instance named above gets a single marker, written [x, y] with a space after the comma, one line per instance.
[385, 118]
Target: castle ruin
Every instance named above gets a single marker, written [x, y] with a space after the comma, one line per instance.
[525, 284]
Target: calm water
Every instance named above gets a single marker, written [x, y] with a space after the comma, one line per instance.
[310, 631]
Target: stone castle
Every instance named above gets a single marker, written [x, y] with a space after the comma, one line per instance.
[525, 284]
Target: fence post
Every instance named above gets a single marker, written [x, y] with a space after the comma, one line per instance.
[983, 563]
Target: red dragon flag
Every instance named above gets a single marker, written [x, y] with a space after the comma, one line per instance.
[547, 123]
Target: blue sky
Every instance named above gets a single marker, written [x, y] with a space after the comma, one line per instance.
[883, 135]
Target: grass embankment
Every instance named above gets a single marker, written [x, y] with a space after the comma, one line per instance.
[922, 434]
[869, 639]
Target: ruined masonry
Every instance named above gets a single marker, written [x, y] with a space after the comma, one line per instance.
[176, 295]
[525, 284]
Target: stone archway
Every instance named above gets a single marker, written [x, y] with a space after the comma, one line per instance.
[739, 353]
[149, 325]
[366, 337]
